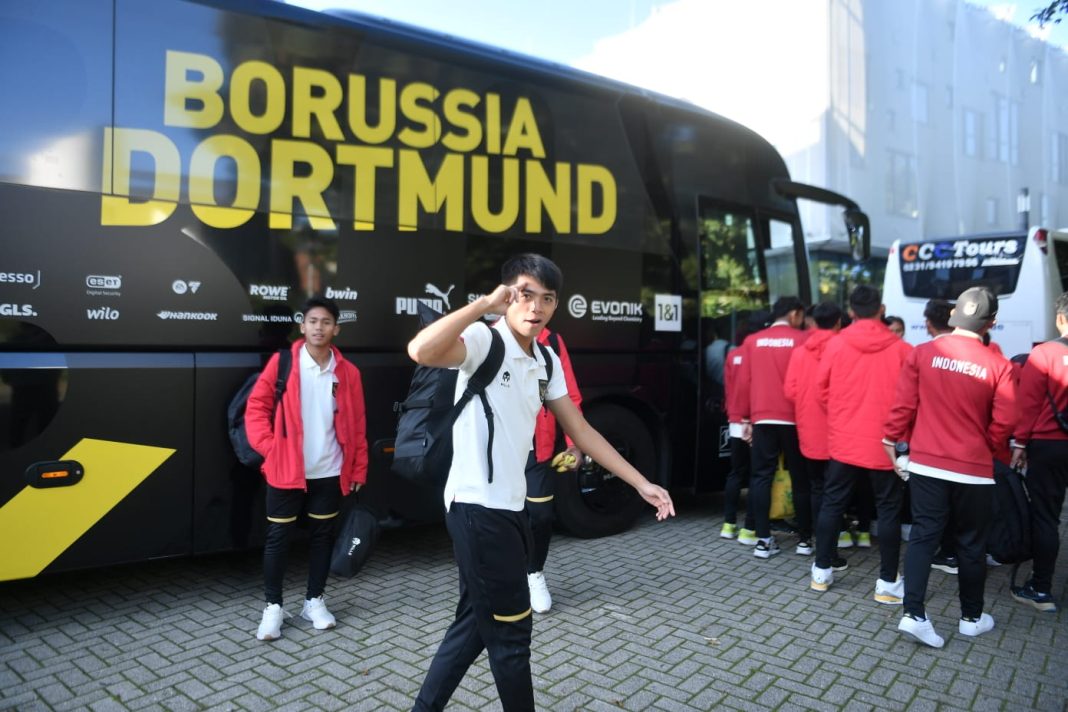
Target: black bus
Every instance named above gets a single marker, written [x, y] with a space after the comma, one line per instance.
[176, 177]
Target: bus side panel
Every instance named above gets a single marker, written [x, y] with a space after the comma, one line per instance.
[125, 418]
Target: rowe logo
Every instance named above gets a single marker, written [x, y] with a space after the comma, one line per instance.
[269, 291]
[347, 294]
[103, 313]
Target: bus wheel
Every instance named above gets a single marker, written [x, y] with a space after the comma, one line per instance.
[592, 502]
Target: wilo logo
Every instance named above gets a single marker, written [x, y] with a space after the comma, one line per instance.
[102, 314]
[576, 306]
[269, 291]
[410, 305]
[28, 278]
[181, 286]
[17, 310]
[345, 294]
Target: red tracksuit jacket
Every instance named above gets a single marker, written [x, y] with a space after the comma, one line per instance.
[856, 381]
[958, 400]
[800, 388]
[736, 396]
[283, 445]
[765, 357]
[1046, 370]
[545, 426]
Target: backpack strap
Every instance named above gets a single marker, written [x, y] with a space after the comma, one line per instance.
[285, 363]
[554, 342]
[476, 385]
[548, 359]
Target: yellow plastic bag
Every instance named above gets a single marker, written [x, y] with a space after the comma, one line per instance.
[782, 494]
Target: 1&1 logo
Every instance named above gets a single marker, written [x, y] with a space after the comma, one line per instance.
[576, 305]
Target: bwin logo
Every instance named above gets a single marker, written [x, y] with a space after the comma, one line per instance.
[346, 293]
[355, 543]
[443, 296]
[102, 314]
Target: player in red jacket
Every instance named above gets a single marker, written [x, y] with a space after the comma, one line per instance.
[800, 388]
[314, 446]
[856, 381]
[541, 473]
[768, 420]
[1042, 445]
[957, 399]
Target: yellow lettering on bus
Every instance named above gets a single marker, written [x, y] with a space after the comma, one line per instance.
[416, 188]
[366, 160]
[191, 91]
[202, 181]
[417, 113]
[523, 131]
[458, 108]
[286, 186]
[387, 109]
[317, 93]
[116, 208]
[556, 201]
[493, 123]
[590, 176]
[274, 94]
[484, 217]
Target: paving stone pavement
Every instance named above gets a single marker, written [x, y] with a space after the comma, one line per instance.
[664, 617]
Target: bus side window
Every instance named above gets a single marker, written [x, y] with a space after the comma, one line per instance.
[781, 261]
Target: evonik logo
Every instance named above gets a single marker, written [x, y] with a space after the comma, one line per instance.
[345, 294]
[102, 314]
[17, 310]
[577, 306]
[27, 278]
[269, 291]
[604, 309]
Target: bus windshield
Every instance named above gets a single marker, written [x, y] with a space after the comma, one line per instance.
[942, 269]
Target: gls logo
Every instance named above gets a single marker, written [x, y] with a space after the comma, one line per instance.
[181, 286]
[17, 310]
[269, 291]
[102, 314]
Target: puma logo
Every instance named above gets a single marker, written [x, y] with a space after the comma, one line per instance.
[443, 296]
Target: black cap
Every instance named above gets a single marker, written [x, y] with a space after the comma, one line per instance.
[975, 307]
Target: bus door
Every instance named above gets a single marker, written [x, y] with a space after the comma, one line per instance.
[746, 261]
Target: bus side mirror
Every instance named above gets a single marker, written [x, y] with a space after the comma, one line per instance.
[859, 228]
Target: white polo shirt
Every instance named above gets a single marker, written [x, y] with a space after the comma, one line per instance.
[318, 404]
[514, 397]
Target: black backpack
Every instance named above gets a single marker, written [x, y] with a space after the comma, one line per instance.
[1009, 536]
[423, 446]
[235, 412]
[356, 536]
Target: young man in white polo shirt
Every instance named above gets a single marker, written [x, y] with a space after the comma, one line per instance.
[486, 518]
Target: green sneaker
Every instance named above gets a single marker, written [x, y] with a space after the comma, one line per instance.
[747, 537]
[864, 540]
[729, 531]
[845, 540]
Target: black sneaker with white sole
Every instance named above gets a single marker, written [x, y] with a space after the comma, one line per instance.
[947, 564]
[839, 564]
[766, 548]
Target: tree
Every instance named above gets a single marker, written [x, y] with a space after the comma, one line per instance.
[1049, 14]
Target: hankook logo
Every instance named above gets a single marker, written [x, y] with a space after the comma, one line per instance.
[576, 306]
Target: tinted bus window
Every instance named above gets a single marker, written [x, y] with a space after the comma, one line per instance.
[946, 268]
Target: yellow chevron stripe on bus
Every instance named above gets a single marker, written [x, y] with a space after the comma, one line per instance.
[38, 525]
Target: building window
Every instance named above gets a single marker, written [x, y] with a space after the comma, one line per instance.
[901, 185]
[973, 132]
[1058, 159]
[1044, 217]
[1005, 138]
[919, 103]
[1034, 75]
[991, 211]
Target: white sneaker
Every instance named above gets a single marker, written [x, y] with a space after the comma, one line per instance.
[890, 594]
[804, 548]
[984, 624]
[766, 548]
[921, 631]
[821, 578]
[540, 600]
[315, 611]
[271, 623]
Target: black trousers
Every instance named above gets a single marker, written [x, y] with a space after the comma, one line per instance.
[491, 548]
[541, 485]
[737, 478]
[769, 440]
[322, 502]
[817, 470]
[840, 481]
[934, 502]
[1047, 477]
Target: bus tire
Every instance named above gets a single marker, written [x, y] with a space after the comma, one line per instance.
[591, 502]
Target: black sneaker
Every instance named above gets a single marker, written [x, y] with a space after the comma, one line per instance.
[945, 563]
[766, 548]
[1027, 594]
[839, 564]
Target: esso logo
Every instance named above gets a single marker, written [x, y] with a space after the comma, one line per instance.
[577, 306]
